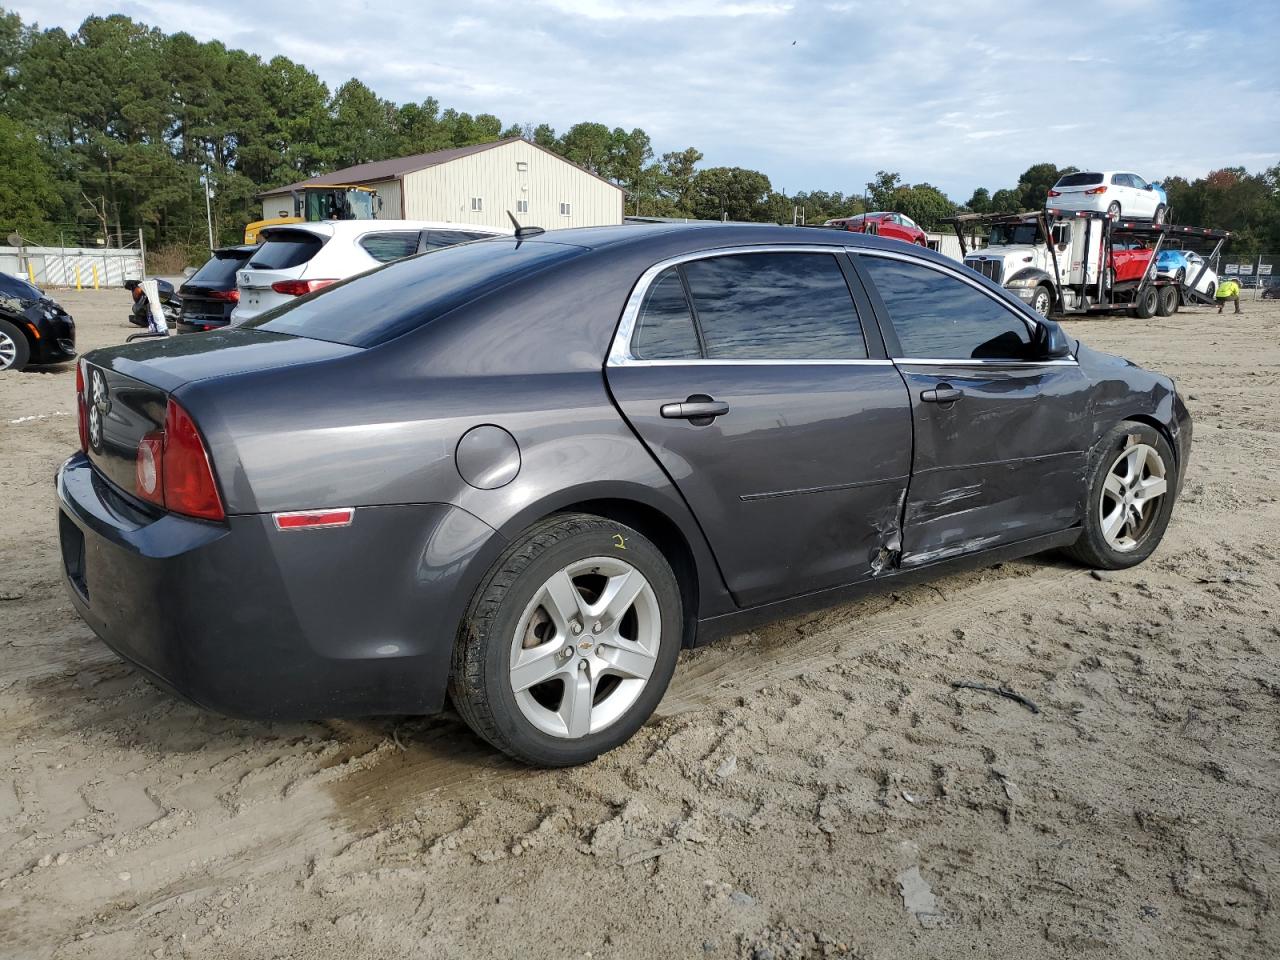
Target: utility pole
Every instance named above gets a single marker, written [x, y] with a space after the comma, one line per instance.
[208, 209]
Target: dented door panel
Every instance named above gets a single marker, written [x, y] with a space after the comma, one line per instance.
[800, 485]
[1004, 462]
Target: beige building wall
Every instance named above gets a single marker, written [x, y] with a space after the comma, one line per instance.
[502, 177]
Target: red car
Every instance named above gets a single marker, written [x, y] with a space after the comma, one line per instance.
[896, 226]
[1130, 259]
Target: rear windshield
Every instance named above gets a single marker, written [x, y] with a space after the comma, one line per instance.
[1080, 180]
[220, 271]
[286, 248]
[391, 300]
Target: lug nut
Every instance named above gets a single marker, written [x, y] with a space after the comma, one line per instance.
[576, 628]
[582, 664]
[597, 627]
[567, 652]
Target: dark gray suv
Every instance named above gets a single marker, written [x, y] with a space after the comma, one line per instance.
[527, 471]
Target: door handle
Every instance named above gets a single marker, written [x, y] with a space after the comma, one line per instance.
[943, 393]
[699, 408]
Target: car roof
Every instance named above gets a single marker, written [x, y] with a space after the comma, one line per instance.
[336, 228]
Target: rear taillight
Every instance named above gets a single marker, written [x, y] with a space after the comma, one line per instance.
[173, 471]
[297, 288]
[231, 295]
[82, 408]
[1095, 191]
[1055, 193]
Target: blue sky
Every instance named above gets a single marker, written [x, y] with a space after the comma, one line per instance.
[817, 95]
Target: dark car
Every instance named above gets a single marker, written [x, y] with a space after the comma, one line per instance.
[33, 328]
[527, 471]
[210, 295]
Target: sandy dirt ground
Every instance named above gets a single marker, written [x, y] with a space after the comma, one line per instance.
[813, 789]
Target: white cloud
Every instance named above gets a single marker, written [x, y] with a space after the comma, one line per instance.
[816, 95]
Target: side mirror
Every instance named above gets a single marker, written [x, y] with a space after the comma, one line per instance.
[1049, 342]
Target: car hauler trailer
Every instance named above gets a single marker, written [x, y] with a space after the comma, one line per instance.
[1074, 261]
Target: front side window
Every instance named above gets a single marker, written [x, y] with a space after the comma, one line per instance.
[664, 327]
[385, 247]
[937, 316]
[775, 306]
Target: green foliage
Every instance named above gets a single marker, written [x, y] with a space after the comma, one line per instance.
[113, 127]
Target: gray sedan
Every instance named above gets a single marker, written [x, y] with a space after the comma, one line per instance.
[525, 472]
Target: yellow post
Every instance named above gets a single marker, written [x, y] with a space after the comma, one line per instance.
[31, 273]
[78, 287]
[95, 276]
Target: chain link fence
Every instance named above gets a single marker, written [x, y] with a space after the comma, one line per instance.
[1259, 275]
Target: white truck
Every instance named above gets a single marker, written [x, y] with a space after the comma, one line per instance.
[1077, 261]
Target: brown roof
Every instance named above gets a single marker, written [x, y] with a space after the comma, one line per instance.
[399, 166]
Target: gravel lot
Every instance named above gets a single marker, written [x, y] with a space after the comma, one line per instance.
[814, 789]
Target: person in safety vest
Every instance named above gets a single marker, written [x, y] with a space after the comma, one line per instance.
[1228, 289]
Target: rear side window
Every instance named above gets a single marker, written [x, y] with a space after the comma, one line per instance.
[438, 239]
[385, 247]
[937, 316]
[775, 306]
[1080, 180]
[220, 271]
[664, 328]
[400, 296]
[286, 248]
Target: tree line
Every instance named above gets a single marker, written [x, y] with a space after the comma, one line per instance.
[113, 127]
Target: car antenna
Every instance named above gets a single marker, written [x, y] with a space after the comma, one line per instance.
[522, 232]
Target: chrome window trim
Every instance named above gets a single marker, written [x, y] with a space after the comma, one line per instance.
[948, 271]
[620, 350]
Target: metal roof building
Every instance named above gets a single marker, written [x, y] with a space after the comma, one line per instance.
[476, 184]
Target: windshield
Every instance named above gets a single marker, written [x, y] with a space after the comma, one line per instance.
[15, 287]
[1005, 234]
[386, 302]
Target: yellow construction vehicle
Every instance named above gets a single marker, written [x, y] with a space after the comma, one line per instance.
[335, 201]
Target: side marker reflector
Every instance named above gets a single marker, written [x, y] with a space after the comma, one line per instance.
[314, 519]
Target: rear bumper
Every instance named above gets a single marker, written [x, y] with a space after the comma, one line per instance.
[251, 622]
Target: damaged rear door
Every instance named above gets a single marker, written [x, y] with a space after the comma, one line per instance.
[1001, 437]
[748, 376]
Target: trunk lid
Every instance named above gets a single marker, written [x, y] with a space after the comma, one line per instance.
[127, 388]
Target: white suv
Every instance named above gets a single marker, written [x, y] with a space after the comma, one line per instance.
[298, 258]
[1116, 194]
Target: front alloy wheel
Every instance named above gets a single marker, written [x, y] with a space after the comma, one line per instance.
[1041, 301]
[1130, 496]
[1131, 485]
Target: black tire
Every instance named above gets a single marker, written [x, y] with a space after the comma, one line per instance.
[1181, 275]
[1167, 302]
[1092, 549]
[15, 352]
[480, 684]
[1042, 297]
[1113, 211]
[1145, 307]
[1158, 217]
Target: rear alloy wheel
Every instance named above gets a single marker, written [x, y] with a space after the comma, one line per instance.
[570, 641]
[1113, 211]
[14, 350]
[1157, 218]
[1167, 304]
[1042, 301]
[1130, 498]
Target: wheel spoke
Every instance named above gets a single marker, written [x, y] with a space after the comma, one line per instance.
[563, 602]
[536, 665]
[618, 596]
[1133, 461]
[1150, 489]
[627, 658]
[575, 707]
[1114, 486]
[1114, 522]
